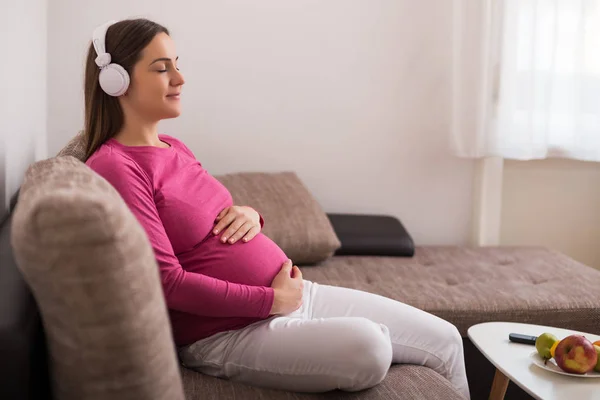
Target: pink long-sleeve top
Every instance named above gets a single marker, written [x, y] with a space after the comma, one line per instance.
[209, 286]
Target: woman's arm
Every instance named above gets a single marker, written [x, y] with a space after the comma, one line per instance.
[184, 291]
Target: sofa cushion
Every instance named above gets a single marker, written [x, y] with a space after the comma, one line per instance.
[293, 217]
[467, 286]
[371, 235]
[93, 274]
[406, 382]
[75, 147]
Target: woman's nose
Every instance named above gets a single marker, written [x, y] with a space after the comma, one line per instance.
[178, 79]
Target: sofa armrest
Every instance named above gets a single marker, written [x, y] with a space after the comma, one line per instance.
[371, 235]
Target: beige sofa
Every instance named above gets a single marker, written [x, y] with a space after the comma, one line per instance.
[92, 272]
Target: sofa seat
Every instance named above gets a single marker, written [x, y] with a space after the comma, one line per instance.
[463, 285]
[404, 382]
[467, 286]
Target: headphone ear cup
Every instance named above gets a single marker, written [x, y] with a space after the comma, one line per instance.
[114, 80]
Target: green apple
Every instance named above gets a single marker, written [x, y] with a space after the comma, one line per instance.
[544, 343]
[597, 367]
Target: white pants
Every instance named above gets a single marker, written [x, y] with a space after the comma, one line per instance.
[339, 339]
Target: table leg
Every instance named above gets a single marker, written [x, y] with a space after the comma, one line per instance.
[499, 386]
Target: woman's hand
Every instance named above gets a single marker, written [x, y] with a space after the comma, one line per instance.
[288, 286]
[239, 222]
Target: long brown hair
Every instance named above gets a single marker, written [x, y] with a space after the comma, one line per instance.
[125, 41]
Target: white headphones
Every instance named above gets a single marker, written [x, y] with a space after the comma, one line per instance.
[114, 79]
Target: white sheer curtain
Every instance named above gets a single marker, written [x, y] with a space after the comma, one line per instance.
[527, 78]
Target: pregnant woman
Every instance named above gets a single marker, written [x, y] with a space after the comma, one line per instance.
[239, 309]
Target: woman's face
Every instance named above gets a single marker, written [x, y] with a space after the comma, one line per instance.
[156, 82]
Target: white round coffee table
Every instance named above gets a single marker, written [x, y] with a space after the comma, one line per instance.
[513, 362]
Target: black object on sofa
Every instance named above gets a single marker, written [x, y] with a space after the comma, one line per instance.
[371, 235]
[24, 369]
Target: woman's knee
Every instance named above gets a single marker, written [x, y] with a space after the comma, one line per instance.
[449, 346]
[451, 337]
[438, 331]
[371, 351]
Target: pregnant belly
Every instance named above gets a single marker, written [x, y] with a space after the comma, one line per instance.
[253, 263]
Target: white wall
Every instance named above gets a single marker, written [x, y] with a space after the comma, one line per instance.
[553, 203]
[23, 88]
[353, 95]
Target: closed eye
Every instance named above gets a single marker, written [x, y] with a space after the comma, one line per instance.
[164, 70]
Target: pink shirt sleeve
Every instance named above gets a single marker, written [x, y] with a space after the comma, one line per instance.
[184, 291]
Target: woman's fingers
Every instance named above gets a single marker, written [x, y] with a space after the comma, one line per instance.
[223, 213]
[255, 230]
[297, 272]
[232, 228]
[241, 232]
[224, 221]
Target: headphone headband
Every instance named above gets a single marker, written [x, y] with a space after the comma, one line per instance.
[99, 42]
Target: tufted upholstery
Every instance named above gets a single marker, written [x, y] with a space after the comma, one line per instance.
[467, 286]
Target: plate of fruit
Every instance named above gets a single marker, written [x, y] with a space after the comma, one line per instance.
[574, 355]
